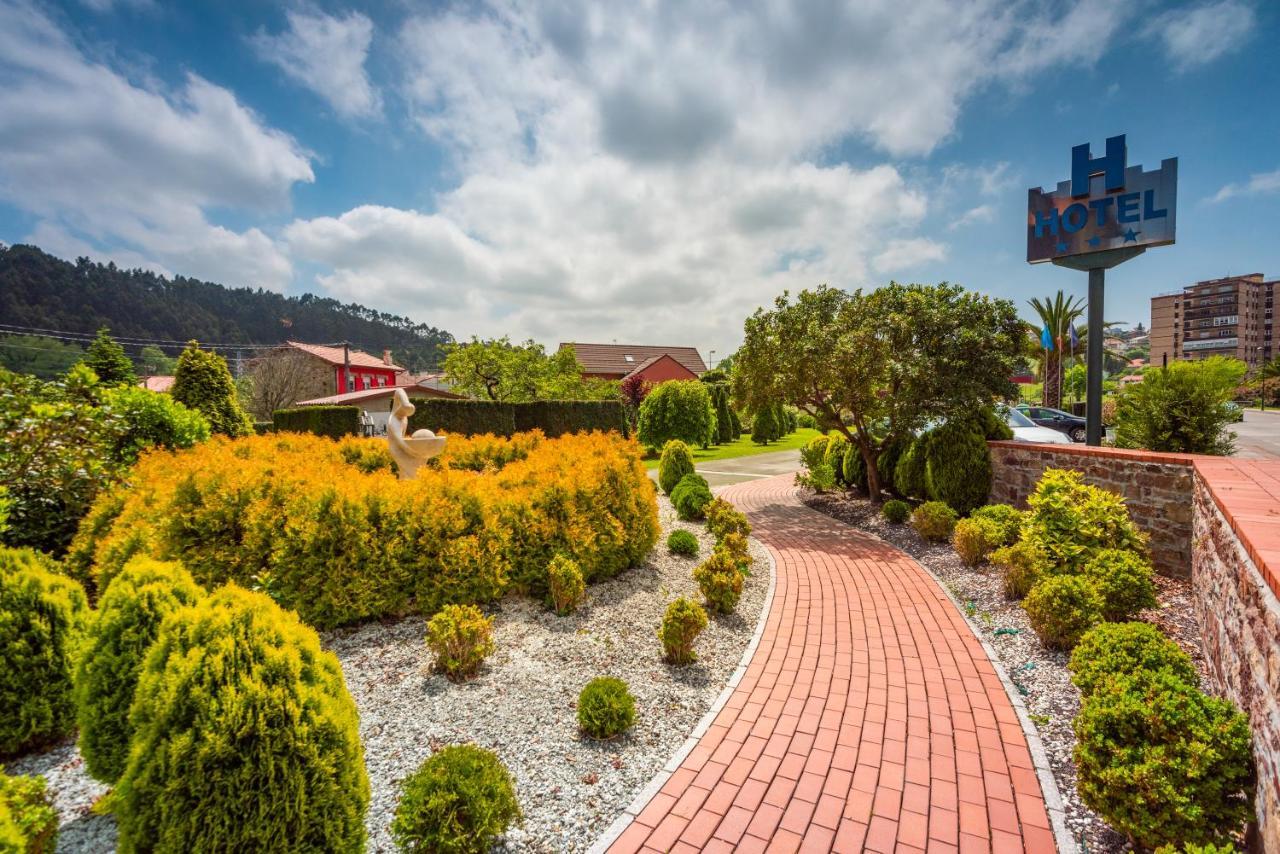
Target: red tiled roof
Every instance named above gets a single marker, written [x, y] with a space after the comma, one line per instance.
[333, 355]
[613, 358]
[367, 394]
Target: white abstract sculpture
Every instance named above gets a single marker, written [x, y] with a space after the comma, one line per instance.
[409, 452]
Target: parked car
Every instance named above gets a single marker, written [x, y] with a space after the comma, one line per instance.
[1026, 430]
[1055, 419]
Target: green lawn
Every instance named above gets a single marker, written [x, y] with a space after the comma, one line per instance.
[744, 447]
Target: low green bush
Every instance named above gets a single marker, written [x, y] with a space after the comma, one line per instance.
[887, 463]
[681, 625]
[958, 466]
[834, 457]
[676, 462]
[558, 417]
[461, 637]
[332, 421]
[820, 478]
[1162, 762]
[682, 543]
[896, 511]
[42, 621]
[1021, 566]
[691, 496]
[1125, 580]
[1062, 608]
[1112, 650]
[606, 708]
[934, 521]
[720, 581]
[975, 539]
[908, 473]
[462, 417]
[723, 519]
[565, 584]
[1007, 517]
[814, 452]
[245, 738]
[735, 547]
[124, 626]
[459, 800]
[1071, 521]
[32, 822]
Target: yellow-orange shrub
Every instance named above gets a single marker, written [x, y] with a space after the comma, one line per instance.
[312, 523]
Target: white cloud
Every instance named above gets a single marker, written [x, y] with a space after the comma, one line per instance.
[97, 158]
[1258, 184]
[326, 54]
[656, 171]
[981, 213]
[1198, 35]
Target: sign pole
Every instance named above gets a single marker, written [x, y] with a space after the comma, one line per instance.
[1093, 394]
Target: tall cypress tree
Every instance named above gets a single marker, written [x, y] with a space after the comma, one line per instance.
[202, 381]
[108, 361]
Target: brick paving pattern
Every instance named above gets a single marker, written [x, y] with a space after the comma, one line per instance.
[869, 718]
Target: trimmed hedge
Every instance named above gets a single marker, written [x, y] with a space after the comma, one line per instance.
[553, 417]
[332, 421]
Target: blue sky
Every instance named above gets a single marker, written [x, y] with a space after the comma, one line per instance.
[648, 172]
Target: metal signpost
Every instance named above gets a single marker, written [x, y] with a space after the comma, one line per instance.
[1106, 214]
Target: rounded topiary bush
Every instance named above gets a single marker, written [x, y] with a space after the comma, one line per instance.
[1122, 649]
[565, 584]
[1021, 567]
[677, 409]
[28, 821]
[676, 462]
[814, 452]
[461, 637]
[724, 519]
[42, 622]
[853, 468]
[1125, 580]
[691, 496]
[606, 708]
[1062, 608]
[682, 543]
[834, 457]
[459, 800]
[896, 511]
[122, 631]
[720, 581]
[958, 466]
[1162, 762]
[934, 520]
[1006, 517]
[245, 738]
[887, 462]
[975, 539]
[681, 625]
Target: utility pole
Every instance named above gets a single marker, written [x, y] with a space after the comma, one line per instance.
[346, 367]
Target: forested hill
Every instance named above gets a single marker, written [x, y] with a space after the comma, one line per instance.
[38, 290]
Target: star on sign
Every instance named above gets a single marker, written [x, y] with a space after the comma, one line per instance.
[1131, 236]
[1062, 247]
[1095, 241]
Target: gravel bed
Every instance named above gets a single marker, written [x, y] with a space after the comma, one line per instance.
[522, 705]
[1040, 675]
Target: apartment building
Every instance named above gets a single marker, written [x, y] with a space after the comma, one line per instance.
[1218, 317]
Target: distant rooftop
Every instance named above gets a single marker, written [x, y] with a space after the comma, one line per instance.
[622, 359]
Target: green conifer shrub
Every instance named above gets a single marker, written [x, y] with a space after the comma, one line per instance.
[934, 521]
[896, 511]
[565, 584]
[1007, 517]
[107, 359]
[1125, 580]
[814, 452]
[834, 457]
[42, 622]
[765, 427]
[1021, 566]
[975, 539]
[203, 382]
[909, 473]
[681, 625]
[459, 800]
[461, 637]
[720, 581]
[854, 468]
[27, 816]
[1162, 762]
[605, 708]
[958, 466]
[682, 543]
[691, 496]
[245, 738]
[887, 463]
[723, 519]
[120, 634]
[1109, 650]
[1062, 608]
[676, 462]
[677, 409]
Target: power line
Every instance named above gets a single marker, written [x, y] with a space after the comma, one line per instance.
[124, 339]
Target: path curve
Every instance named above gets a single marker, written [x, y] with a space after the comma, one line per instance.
[869, 718]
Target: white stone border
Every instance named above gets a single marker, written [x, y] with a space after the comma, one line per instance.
[622, 822]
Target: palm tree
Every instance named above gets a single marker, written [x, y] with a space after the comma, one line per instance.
[1057, 316]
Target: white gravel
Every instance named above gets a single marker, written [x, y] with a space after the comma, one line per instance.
[522, 705]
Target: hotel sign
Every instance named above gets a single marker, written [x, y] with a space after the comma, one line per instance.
[1106, 205]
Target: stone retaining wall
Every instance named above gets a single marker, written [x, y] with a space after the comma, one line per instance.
[1216, 520]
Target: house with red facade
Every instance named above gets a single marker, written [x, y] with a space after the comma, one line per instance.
[346, 369]
[655, 364]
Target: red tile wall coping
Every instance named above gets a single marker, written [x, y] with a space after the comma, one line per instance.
[1247, 492]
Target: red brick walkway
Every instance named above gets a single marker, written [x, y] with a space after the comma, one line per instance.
[869, 718]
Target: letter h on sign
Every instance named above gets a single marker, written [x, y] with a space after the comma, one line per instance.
[1084, 167]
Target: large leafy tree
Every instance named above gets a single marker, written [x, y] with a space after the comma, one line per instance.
[1058, 315]
[514, 373]
[1181, 408]
[108, 361]
[879, 366]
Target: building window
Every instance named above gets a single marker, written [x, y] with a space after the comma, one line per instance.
[351, 383]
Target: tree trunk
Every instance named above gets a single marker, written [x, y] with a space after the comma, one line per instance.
[1052, 380]
[873, 472]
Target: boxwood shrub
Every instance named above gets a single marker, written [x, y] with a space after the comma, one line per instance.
[1125, 582]
[1121, 649]
[676, 462]
[42, 622]
[332, 421]
[934, 520]
[245, 738]
[123, 628]
[682, 543]
[605, 708]
[459, 800]
[1005, 516]
[976, 538]
[691, 496]
[1062, 608]
[1021, 567]
[896, 511]
[681, 625]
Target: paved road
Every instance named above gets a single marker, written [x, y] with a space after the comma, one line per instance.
[1258, 436]
[739, 469]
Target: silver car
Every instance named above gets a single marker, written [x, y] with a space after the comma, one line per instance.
[1026, 430]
